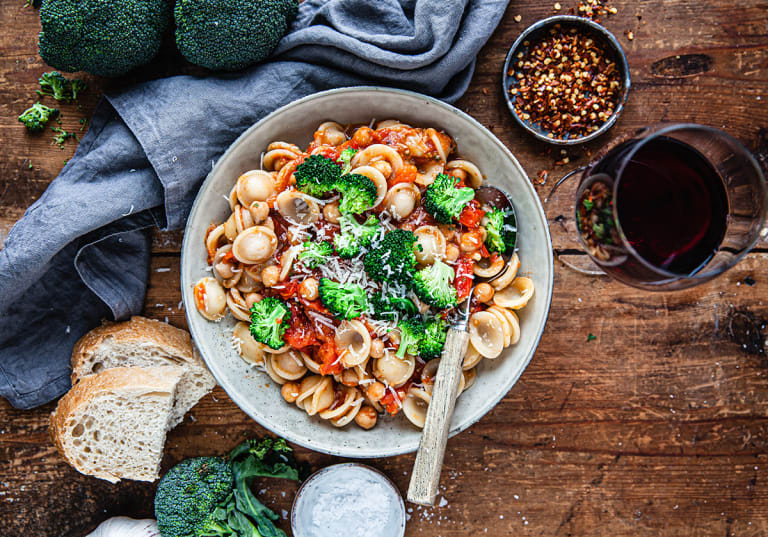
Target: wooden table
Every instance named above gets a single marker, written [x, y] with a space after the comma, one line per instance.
[657, 427]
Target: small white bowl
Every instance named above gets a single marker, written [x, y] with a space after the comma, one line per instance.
[252, 390]
[359, 490]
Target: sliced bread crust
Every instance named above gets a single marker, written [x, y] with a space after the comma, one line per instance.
[112, 425]
[142, 342]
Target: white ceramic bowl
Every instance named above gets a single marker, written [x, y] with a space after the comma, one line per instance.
[252, 390]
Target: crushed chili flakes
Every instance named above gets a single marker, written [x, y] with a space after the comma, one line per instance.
[594, 9]
[542, 175]
[567, 83]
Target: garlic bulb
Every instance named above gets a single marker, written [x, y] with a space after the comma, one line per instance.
[121, 526]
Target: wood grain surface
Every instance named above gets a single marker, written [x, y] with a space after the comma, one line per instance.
[656, 427]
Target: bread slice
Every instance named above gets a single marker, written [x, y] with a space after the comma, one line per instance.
[143, 342]
[112, 425]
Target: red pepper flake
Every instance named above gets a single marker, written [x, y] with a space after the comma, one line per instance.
[567, 84]
[542, 175]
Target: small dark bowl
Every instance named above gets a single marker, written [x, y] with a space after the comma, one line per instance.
[597, 32]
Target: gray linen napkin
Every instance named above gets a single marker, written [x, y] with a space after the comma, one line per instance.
[81, 252]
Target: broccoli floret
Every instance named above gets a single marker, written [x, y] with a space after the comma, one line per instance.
[36, 117]
[315, 253]
[317, 175]
[444, 201]
[345, 159]
[358, 193]
[267, 457]
[231, 34]
[101, 37]
[211, 496]
[191, 498]
[55, 85]
[431, 345]
[61, 137]
[269, 321]
[391, 308]
[433, 285]
[354, 237]
[500, 235]
[345, 301]
[393, 260]
[411, 333]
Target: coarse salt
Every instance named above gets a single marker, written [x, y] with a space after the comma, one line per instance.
[348, 500]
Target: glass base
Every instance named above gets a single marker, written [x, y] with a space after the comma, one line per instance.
[558, 206]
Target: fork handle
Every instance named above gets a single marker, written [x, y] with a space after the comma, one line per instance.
[429, 459]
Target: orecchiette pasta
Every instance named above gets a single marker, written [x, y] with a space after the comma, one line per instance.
[314, 314]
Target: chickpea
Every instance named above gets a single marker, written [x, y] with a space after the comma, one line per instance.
[383, 166]
[290, 391]
[270, 276]
[451, 252]
[366, 417]
[363, 137]
[484, 292]
[259, 211]
[375, 391]
[471, 240]
[458, 173]
[349, 377]
[377, 348]
[224, 270]
[309, 289]
[331, 212]
[252, 298]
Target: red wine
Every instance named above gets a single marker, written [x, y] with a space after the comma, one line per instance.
[672, 206]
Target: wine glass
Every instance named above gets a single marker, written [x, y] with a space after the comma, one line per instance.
[668, 207]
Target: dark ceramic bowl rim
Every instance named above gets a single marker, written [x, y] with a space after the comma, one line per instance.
[592, 27]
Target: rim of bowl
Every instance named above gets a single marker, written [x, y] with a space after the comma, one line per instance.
[592, 27]
[187, 246]
[332, 467]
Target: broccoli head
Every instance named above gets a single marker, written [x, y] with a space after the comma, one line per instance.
[345, 301]
[433, 285]
[317, 175]
[354, 237]
[411, 333]
[444, 201]
[393, 260]
[315, 253]
[56, 85]
[501, 231]
[190, 498]
[102, 37]
[269, 321]
[431, 345]
[345, 159]
[37, 116]
[391, 308]
[358, 193]
[229, 35]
